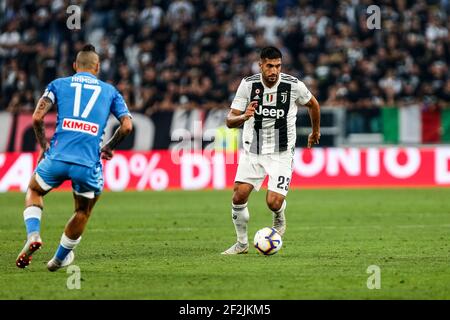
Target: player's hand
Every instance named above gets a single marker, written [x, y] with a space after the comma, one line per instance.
[313, 138]
[107, 153]
[42, 152]
[250, 111]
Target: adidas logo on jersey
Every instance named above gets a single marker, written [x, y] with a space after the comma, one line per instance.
[270, 112]
[80, 126]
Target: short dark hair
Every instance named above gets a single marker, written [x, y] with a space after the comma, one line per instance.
[88, 48]
[270, 53]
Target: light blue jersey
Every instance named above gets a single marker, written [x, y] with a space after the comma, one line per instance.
[84, 104]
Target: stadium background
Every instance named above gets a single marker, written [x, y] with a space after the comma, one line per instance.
[178, 65]
[384, 94]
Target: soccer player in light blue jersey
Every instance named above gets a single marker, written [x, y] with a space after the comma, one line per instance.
[84, 104]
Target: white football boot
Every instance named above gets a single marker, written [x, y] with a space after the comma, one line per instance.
[237, 248]
[55, 264]
[34, 243]
[279, 223]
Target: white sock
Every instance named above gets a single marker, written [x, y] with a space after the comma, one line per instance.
[65, 246]
[32, 217]
[240, 216]
[68, 243]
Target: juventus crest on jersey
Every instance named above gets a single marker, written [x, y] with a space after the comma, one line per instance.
[272, 129]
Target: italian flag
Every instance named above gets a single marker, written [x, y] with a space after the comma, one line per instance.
[415, 124]
[269, 97]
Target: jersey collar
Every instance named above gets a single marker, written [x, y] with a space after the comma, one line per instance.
[85, 74]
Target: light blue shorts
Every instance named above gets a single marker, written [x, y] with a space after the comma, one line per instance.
[86, 181]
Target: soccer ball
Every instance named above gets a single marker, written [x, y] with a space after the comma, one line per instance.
[267, 241]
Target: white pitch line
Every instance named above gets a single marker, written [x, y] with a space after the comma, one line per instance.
[142, 229]
[410, 226]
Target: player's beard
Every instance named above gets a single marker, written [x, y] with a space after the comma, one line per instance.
[271, 80]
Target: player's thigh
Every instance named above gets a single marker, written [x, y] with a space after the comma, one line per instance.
[50, 174]
[279, 170]
[250, 171]
[35, 194]
[87, 182]
[35, 187]
[83, 204]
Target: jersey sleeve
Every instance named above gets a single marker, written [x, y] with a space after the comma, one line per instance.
[242, 97]
[50, 92]
[303, 94]
[118, 106]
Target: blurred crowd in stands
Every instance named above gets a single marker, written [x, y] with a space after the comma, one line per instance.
[164, 55]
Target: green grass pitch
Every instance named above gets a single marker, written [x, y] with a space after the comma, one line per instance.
[166, 245]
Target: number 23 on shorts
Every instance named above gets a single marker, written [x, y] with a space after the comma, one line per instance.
[283, 183]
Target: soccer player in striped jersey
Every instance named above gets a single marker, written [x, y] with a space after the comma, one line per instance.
[84, 104]
[266, 104]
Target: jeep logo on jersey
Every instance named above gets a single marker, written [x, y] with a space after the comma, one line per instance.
[80, 126]
[270, 112]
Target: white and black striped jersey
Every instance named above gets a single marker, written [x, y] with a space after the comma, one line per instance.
[272, 129]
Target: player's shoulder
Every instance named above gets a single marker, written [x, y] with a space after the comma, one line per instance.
[107, 85]
[253, 78]
[289, 78]
[60, 80]
[107, 88]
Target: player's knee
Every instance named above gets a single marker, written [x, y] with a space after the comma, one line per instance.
[275, 203]
[240, 196]
[83, 214]
[83, 211]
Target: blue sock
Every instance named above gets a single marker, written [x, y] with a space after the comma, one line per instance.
[61, 253]
[33, 225]
[65, 246]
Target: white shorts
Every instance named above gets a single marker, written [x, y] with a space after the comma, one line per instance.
[253, 169]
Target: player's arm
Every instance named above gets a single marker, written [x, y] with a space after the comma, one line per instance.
[42, 108]
[241, 110]
[236, 118]
[126, 126]
[314, 114]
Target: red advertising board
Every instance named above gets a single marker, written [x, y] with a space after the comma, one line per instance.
[318, 167]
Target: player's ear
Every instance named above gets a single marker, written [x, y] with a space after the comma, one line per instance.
[97, 68]
[74, 66]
